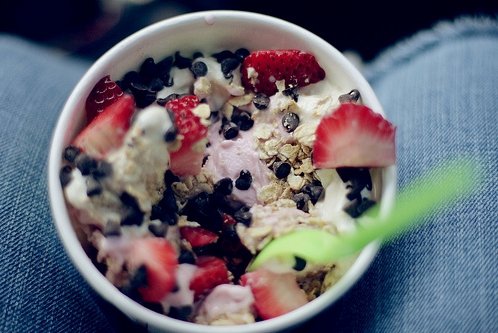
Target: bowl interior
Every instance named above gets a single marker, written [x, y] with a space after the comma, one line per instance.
[206, 32]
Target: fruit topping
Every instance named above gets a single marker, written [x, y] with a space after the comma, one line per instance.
[106, 131]
[354, 136]
[103, 94]
[274, 294]
[261, 69]
[159, 259]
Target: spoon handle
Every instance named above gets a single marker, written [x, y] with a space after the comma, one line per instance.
[437, 189]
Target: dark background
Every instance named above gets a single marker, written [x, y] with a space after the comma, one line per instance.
[87, 28]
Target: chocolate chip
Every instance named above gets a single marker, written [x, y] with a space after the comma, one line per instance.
[186, 257]
[156, 85]
[292, 93]
[199, 69]
[144, 98]
[129, 78]
[281, 169]
[230, 130]
[220, 56]
[313, 191]
[300, 264]
[244, 181]
[103, 169]
[158, 230]
[243, 215]
[228, 65]
[93, 186]
[301, 199]
[70, 153]
[212, 249]
[202, 209]
[132, 215]
[147, 69]
[180, 313]
[163, 68]
[358, 206]
[65, 175]
[161, 214]
[242, 53]
[85, 164]
[261, 101]
[205, 159]
[290, 121]
[358, 179]
[182, 62]
[224, 186]
[351, 97]
[168, 201]
[138, 86]
[171, 134]
[138, 279]
[170, 178]
[242, 119]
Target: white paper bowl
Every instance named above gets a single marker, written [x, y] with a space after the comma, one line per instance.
[204, 31]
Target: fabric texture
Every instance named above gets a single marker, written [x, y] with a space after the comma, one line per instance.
[40, 290]
[441, 90]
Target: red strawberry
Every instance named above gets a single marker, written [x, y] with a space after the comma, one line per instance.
[211, 271]
[297, 68]
[198, 236]
[160, 261]
[274, 294]
[188, 159]
[228, 220]
[102, 95]
[354, 136]
[106, 131]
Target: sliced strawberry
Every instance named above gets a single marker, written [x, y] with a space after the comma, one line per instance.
[160, 261]
[354, 136]
[106, 131]
[188, 159]
[228, 220]
[198, 236]
[103, 94]
[274, 294]
[211, 271]
[261, 69]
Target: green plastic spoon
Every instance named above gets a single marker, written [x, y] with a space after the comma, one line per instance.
[437, 189]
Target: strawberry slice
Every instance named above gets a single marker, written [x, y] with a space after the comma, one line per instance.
[228, 220]
[354, 136]
[103, 94]
[211, 271]
[106, 131]
[198, 236]
[261, 69]
[160, 261]
[274, 294]
[188, 159]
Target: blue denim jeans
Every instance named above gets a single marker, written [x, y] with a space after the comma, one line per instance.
[440, 88]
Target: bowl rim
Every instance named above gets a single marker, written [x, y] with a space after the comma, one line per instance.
[104, 287]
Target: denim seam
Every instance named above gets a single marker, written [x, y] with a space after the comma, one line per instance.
[423, 41]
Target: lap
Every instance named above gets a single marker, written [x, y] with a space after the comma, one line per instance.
[439, 89]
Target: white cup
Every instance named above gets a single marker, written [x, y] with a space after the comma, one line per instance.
[208, 32]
